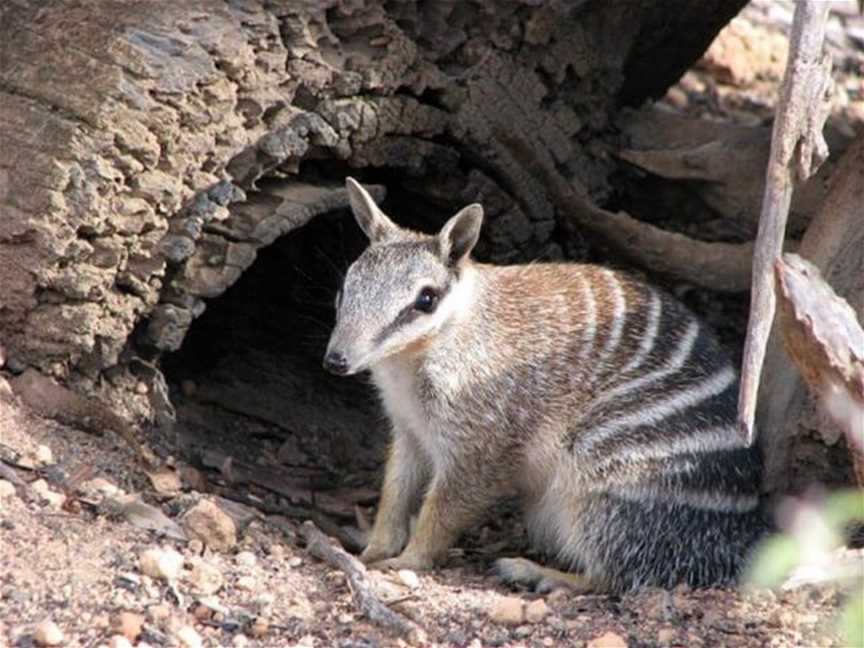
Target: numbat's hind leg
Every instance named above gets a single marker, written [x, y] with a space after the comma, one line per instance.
[521, 571]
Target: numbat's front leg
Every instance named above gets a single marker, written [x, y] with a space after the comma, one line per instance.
[450, 507]
[405, 477]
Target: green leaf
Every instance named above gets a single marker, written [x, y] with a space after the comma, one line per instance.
[775, 558]
[844, 507]
[852, 621]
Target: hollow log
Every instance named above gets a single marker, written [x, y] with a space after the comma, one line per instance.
[142, 148]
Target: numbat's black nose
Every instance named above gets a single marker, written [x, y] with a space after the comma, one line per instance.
[335, 363]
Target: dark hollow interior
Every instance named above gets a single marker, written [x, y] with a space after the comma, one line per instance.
[248, 381]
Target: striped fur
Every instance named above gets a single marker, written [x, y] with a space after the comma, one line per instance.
[600, 401]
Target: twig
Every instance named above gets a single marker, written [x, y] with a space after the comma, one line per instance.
[320, 546]
[797, 150]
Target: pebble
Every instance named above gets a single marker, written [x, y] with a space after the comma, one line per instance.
[508, 610]
[536, 611]
[665, 636]
[48, 634]
[240, 641]
[296, 561]
[211, 525]
[247, 583]
[276, 551]
[158, 612]
[119, 641]
[55, 500]
[103, 486]
[161, 563]
[205, 578]
[259, 628]
[188, 637]
[245, 559]
[43, 456]
[128, 624]
[345, 618]
[608, 640]
[409, 578]
[523, 631]
[7, 488]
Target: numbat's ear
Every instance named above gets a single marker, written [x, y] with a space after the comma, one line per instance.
[459, 235]
[369, 216]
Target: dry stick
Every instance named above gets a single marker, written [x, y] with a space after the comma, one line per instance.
[320, 546]
[797, 146]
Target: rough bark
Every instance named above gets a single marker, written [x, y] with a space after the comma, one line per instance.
[134, 141]
[834, 243]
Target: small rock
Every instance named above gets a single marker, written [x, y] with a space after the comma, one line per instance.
[259, 628]
[240, 641]
[296, 561]
[665, 636]
[43, 456]
[141, 388]
[608, 640]
[128, 624]
[276, 551]
[55, 500]
[161, 563]
[188, 637]
[536, 611]
[247, 583]
[523, 631]
[7, 489]
[211, 525]
[205, 578]
[508, 610]
[158, 613]
[409, 578]
[345, 618]
[245, 559]
[119, 641]
[102, 486]
[48, 634]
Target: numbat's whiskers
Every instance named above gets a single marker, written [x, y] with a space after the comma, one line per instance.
[600, 401]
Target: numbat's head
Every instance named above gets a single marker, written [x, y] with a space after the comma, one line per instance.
[404, 287]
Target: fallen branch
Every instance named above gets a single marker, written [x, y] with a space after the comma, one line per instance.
[718, 266]
[797, 150]
[824, 339]
[320, 546]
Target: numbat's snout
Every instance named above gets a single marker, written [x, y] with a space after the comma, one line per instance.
[600, 401]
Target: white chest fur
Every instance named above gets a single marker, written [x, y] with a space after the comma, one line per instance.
[397, 383]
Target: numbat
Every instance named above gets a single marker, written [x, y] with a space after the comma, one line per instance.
[598, 400]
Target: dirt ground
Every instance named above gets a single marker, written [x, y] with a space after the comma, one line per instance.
[76, 566]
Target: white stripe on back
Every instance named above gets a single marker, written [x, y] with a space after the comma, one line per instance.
[646, 344]
[705, 500]
[713, 439]
[673, 364]
[619, 313]
[589, 322]
[656, 411]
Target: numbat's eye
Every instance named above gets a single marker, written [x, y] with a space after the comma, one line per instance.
[427, 300]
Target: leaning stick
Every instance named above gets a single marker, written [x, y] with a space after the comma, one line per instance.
[797, 150]
[320, 546]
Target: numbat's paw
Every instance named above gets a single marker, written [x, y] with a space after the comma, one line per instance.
[405, 561]
[527, 573]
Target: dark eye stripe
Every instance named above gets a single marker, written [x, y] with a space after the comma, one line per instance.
[406, 316]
